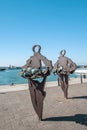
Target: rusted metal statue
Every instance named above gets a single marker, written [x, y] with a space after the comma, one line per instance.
[34, 71]
[63, 67]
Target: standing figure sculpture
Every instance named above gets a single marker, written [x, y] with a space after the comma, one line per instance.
[34, 71]
[63, 67]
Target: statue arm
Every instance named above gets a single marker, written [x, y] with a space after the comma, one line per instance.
[73, 66]
[48, 63]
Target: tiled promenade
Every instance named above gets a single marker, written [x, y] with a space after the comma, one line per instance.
[16, 111]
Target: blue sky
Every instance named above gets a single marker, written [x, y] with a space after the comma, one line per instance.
[53, 24]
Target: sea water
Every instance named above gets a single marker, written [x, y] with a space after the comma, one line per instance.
[11, 76]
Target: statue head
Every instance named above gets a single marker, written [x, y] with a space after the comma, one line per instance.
[62, 52]
[36, 48]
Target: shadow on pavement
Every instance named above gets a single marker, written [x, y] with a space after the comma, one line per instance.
[2, 93]
[80, 97]
[78, 118]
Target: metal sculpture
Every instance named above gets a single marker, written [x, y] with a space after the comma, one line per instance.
[34, 72]
[63, 67]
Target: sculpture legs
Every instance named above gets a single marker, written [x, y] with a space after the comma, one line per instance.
[64, 84]
[37, 95]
